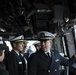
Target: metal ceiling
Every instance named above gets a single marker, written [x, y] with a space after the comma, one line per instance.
[28, 17]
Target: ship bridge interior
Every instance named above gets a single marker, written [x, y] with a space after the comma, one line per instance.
[28, 17]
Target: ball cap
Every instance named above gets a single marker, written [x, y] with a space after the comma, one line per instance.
[18, 39]
[44, 35]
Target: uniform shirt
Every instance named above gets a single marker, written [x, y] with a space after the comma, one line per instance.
[17, 52]
[48, 52]
[39, 63]
[14, 64]
[3, 71]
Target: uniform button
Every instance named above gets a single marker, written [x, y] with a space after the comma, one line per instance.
[55, 69]
[48, 70]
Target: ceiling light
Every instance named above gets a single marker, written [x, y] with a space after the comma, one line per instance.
[3, 30]
[43, 10]
[67, 19]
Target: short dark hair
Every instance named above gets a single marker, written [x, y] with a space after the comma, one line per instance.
[1, 52]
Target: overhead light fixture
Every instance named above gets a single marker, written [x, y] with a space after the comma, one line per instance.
[3, 30]
[66, 19]
[43, 10]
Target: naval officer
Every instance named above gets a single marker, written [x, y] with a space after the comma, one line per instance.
[37, 45]
[45, 61]
[15, 63]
